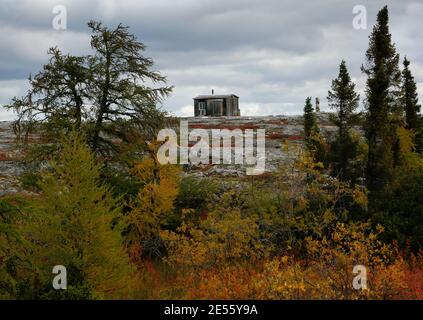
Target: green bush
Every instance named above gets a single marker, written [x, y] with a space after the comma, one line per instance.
[29, 181]
[401, 211]
[194, 193]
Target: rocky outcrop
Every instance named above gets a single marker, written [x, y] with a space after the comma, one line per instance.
[279, 130]
[10, 167]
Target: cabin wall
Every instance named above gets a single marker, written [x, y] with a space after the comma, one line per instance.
[228, 110]
[215, 107]
[235, 110]
[196, 110]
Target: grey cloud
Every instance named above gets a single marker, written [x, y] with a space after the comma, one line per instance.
[272, 53]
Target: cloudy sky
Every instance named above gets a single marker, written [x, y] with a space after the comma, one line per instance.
[272, 53]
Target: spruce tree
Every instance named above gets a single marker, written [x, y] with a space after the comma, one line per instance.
[382, 93]
[309, 119]
[343, 98]
[411, 106]
[313, 139]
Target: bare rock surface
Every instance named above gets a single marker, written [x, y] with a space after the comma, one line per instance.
[10, 167]
[279, 131]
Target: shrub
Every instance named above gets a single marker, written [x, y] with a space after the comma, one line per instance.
[150, 209]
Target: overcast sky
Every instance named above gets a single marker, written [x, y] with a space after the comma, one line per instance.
[272, 53]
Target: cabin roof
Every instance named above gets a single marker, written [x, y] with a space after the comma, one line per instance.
[215, 96]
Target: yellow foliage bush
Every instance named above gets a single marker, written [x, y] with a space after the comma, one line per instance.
[224, 235]
[153, 203]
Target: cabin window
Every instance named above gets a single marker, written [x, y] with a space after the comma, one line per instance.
[202, 108]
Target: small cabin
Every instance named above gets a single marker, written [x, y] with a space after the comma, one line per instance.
[216, 105]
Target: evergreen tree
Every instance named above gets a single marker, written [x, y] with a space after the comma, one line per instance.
[314, 141]
[71, 225]
[121, 74]
[411, 106]
[56, 94]
[310, 124]
[382, 105]
[344, 100]
[111, 94]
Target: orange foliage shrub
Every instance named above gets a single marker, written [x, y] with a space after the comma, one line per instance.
[413, 279]
[325, 273]
[229, 282]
